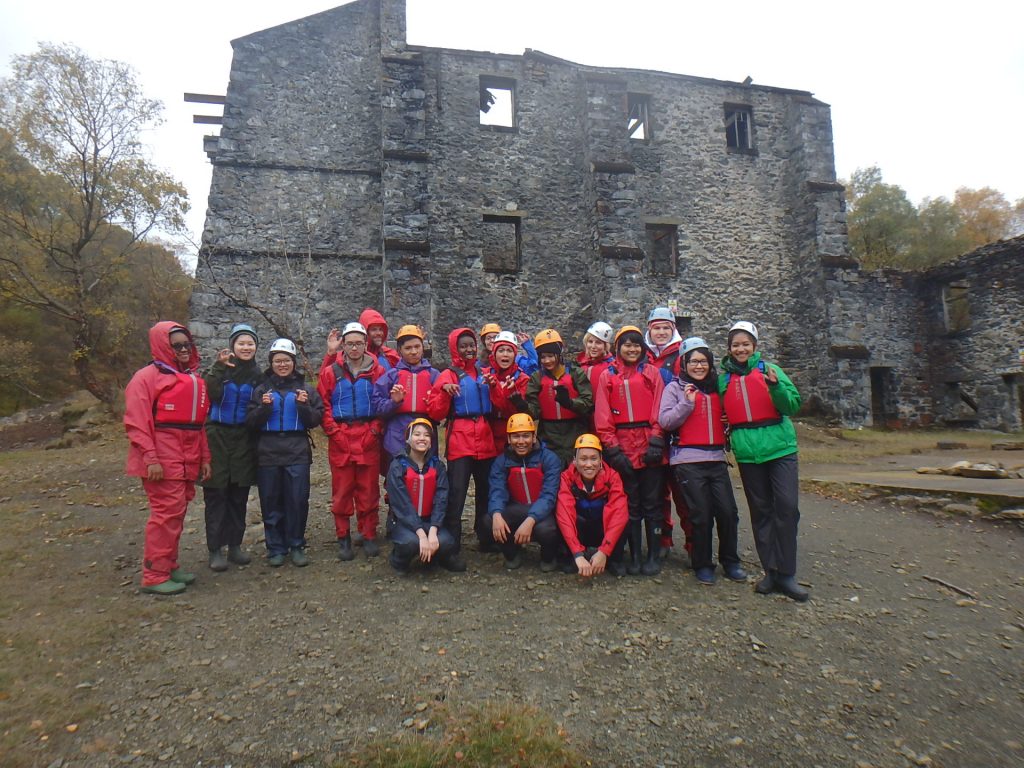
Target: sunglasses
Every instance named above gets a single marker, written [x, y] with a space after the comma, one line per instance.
[181, 346]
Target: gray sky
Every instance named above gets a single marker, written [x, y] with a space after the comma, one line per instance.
[931, 93]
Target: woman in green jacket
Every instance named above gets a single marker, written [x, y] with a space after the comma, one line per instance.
[759, 399]
[230, 382]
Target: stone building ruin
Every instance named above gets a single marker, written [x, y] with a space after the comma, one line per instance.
[450, 187]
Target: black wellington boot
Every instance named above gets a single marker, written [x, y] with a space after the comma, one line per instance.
[635, 544]
[652, 565]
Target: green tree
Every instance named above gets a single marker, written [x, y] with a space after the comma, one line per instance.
[937, 237]
[74, 231]
[881, 220]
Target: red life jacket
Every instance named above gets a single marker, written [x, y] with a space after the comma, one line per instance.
[630, 400]
[748, 402]
[416, 386]
[550, 409]
[703, 428]
[183, 405]
[421, 489]
[524, 484]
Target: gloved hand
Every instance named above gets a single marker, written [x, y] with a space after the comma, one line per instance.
[562, 396]
[617, 460]
[655, 451]
[518, 401]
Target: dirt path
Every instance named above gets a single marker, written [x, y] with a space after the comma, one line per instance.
[265, 667]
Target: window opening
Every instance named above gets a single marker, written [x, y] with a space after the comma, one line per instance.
[638, 126]
[956, 311]
[662, 248]
[502, 243]
[497, 102]
[739, 122]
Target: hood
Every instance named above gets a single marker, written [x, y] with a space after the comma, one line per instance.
[672, 345]
[160, 345]
[453, 348]
[503, 373]
[731, 366]
[370, 317]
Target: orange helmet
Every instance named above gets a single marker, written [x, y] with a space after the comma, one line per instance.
[409, 330]
[547, 336]
[489, 328]
[521, 422]
[587, 441]
[416, 422]
[626, 329]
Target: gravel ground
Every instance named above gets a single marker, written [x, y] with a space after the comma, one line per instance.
[261, 666]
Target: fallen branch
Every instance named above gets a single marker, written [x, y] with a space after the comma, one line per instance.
[947, 585]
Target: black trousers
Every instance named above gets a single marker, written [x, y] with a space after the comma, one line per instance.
[545, 532]
[459, 473]
[225, 515]
[707, 489]
[773, 495]
[590, 532]
[645, 492]
[405, 545]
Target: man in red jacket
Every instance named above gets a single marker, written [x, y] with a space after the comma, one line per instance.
[165, 408]
[592, 511]
[353, 439]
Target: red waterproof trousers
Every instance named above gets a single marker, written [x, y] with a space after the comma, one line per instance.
[355, 487]
[168, 503]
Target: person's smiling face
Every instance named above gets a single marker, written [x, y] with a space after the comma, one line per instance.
[742, 347]
[282, 364]
[244, 348]
[182, 347]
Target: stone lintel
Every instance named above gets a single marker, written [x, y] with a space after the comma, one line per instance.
[621, 252]
[667, 221]
[375, 173]
[413, 59]
[397, 244]
[612, 166]
[502, 213]
[825, 186]
[413, 155]
[605, 77]
[267, 254]
[850, 351]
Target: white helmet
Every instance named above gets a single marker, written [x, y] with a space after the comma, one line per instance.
[353, 328]
[692, 343]
[746, 327]
[661, 313]
[601, 330]
[283, 345]
[506, 337]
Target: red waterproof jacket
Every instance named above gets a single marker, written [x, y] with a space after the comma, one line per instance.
[470, 436]
[505, 383]
[669, 357]
[640, 386]
[180, 452]
[350, 441]
[607, 488]
[370, 317]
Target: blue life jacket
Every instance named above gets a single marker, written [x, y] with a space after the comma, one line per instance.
[285, 414]
[231, 408]
[350, 400]
[474, 398]
[590, 509]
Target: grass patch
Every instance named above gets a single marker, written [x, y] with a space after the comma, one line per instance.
[827, 445]
[506, 735]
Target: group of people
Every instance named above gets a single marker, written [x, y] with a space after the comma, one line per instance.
[585, 456]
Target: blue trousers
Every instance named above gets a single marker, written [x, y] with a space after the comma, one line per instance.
[284, 499]
[405, 545]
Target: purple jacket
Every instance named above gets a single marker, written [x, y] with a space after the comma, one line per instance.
[385, 407]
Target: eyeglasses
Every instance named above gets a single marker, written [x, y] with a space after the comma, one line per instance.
[181, 346]
[355, 344]
[698, 363]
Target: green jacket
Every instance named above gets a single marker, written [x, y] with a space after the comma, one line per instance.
[232, 449]
[761, 444]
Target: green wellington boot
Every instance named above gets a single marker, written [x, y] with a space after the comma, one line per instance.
[182, 577]
[168, 587]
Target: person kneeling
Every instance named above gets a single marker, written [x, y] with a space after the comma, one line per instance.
[592, 511]
[523, 488]
[417, 485]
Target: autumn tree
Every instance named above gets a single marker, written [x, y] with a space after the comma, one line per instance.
[74, 227]
[985, 215]
[881, 219]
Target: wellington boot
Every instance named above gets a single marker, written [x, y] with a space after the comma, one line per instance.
[652, 565]
[345, 552]
[182, 577]
[276, 561]
[788, 586]
[237, 556]
[767, 584]
[299, 558]
[217, 561]
[635, 536]
[617, 567]
[371, 548]
[168, 587]
[455, 563]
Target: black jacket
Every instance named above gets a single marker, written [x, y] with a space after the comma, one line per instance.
[283, 449]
